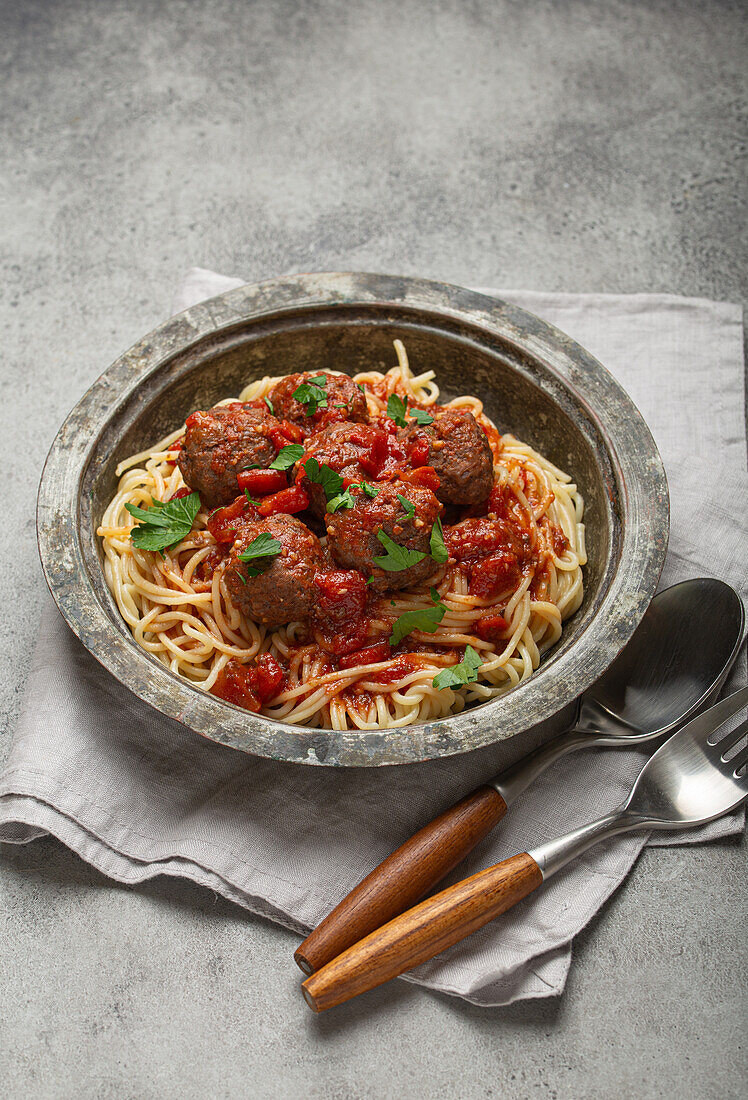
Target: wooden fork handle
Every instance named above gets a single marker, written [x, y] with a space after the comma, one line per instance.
[422, 932]
[404, 877]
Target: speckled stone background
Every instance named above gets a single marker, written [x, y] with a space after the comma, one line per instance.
[571, 145]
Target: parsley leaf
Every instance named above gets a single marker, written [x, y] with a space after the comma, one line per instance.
[269, 404]
[439, 551]
[397, 557]
[322, 475]
[262, 549]
[426, 620]
[312, 394]
[408, 506]
[396, 409]
[163, 524]
[346, 499]
[342, 500]
[287, 456]
[459, 675]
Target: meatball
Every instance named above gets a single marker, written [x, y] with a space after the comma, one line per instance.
[460, 454]
[221, 442]
[339, 390]
[284, 591]
[341, 447]
[352, 533]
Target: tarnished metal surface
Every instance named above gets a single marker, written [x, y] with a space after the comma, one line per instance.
[534, 380]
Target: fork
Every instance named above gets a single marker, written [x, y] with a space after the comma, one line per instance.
[687, 782]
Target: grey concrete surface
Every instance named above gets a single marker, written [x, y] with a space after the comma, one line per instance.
[570, 145]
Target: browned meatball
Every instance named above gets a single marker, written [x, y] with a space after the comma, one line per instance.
[341, 447]
[460, 454]
[339, 390]
[352, 533]
[222, 441]
[284, 592]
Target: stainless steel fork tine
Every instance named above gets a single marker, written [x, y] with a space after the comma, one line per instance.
[738, 761]
[730, 740]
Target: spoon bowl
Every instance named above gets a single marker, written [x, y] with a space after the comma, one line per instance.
[677, 660]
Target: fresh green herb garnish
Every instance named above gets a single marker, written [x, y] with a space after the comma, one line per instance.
[426, 620]
[346, 498]
[163, 524]
[287, 457]
[362, 387]
[396, 409]
[408, 506]
[323, 475]
[434, 594]
[459, 675]
[261, 550]
[439, 551]
[342, 500]
[397, 557]
[249, 498]
[312, 394]
[269, 404]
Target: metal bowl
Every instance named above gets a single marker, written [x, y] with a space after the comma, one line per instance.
[534, 381]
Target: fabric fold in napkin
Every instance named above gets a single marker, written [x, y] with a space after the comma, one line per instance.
[138, 795]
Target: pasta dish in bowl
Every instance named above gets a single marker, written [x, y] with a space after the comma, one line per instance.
[362, 521]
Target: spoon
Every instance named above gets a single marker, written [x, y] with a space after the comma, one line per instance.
[677, 659]
[687, 782]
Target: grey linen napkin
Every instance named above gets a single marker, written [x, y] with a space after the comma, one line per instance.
[138, 795]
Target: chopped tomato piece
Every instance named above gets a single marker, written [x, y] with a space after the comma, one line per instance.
[222, 522]
[292, 431]
[339, 610]
[177, 444]
[293, 499]
[180, 494]
[373, 654]
[425, 476]
[342, 596]
[262, 482]
[419, 452]
[250, 685]
[491, 627]
[372, 461]
[270, 677]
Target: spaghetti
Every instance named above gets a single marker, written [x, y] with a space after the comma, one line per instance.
[179, 607]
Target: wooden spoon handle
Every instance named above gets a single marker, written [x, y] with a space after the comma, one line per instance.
[422, 932]
[404, 877]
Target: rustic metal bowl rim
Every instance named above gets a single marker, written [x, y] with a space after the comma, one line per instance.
[631, 448]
